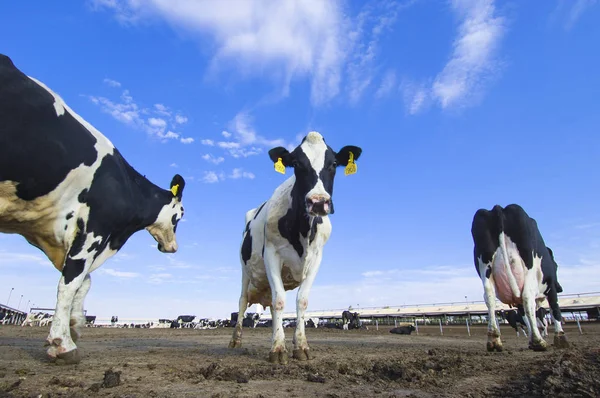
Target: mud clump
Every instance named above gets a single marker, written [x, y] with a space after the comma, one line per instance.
[315, 378]
[111, 379]
[65, 382]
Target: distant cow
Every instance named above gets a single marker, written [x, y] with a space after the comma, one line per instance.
[515, 320]
[403, 329]
[283, 241]
[542, 322]
[515, 265]
[69, 192]
[350, 320]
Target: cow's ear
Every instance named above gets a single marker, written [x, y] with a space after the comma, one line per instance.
[349, 153]
[281, 153]
[177, 185]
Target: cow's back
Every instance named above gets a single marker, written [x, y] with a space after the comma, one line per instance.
[41, 141]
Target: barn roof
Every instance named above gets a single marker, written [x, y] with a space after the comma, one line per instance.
[567, 303]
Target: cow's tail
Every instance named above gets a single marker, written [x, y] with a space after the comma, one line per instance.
[507, 267]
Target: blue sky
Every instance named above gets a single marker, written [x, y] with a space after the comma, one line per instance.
[457, 105]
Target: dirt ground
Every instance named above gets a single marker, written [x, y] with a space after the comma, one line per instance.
[362, 363]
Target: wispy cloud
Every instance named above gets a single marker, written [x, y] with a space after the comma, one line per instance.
[388, 84]
[179, 119]
[112, 83]
[12, 258]
[472, 64]
[207, 142]
[173, 165]
[212, 159]
[154, 121]
[117, 274]
[211, 177]
[374, 20]
[570, 11]
[472, 57]
[310, 38]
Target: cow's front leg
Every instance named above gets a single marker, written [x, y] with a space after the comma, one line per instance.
[61, 344]
[301, 350]
[236, 339]
[273, 264]
[77, 315]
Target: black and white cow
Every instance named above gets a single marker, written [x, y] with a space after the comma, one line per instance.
[542, 322]
[350, 320]
[408, 329]
[283, 241]
[69, 192]
[515, 319]
[515, 265]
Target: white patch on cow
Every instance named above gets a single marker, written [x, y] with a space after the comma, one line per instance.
[58, 102]
[314, 148]
[531, 294]
[489, 296]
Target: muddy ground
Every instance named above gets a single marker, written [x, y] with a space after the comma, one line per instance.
[362, 363]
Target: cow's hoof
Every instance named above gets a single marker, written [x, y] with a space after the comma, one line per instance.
[235, 344]
[68, 358]
[560, 340]
[538, 345]
[280, 357]
[494, 346]
[302, 354]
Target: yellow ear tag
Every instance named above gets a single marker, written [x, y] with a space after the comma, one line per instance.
[279, 167]
[351, 166]
[174, 189]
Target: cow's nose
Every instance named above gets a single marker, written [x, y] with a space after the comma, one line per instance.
[318, 205]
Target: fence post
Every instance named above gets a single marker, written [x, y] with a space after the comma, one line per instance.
[441, 329]
[376, 324]
[468, 328]
[395, 323]
[416, 325]
[578, 324]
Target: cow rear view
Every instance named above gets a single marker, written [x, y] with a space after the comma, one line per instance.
[515, 265]
[70, 193]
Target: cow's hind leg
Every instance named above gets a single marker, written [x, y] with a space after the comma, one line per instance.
[560, 339]
[236, 339]
[494, 343]
[77, 314]
[273, 263]
[536, 342]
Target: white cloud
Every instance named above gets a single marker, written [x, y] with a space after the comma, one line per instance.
[207, 142]
[118, 274]
[210, 177]
[387, 86]
[157, 279]
[228, 145]
[240, 173]
[416, 96]
[112, 83]
[162, 110]
[472, 59]
[12, 258]
[226, 134]
[286, 40]
[187, 140]
[179, 119]
[215, 160]
[127, 111]
[173, 165]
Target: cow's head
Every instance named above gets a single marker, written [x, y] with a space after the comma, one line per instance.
[314, 164]
[165, 226]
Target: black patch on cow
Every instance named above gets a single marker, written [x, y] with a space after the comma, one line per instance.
[72, 269]
[247, 244]
[82, 198]
[31, 134]
[313, 228]
[296, 221]
[70, 215]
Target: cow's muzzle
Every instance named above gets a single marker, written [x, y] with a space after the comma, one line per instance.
[318, 206]
[172, 248]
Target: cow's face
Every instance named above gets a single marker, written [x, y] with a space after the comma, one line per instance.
[315, 164]
[164, 228]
